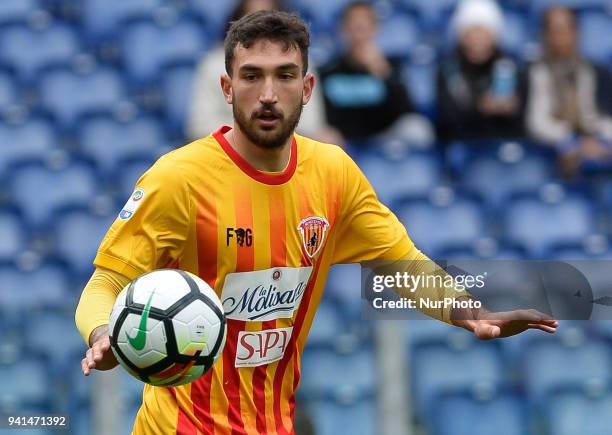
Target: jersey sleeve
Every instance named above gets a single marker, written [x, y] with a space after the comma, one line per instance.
[152, 227]
[368, 230]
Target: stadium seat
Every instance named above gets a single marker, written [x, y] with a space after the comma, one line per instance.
[327, 325]
[43, 330]
[575, 412]
[399, 35]
[322, 15]
[456, 223]
[433, 14]
[335, 376]
[13, 235]
[537, 225]
[585, 362]
[25, 383]
[39, 191]
[420, 78]
[437, 369]
[102, 18]
[416, 176]
[22, 290]
[215, 14]
[29, 50]
[176, 91]
[9, 94]
[423, 331]
[108, 141]
[78, 236]
[21, 142]
[344, 285]
[511, 178]
[596, 36]
[516, 34]
[465, 414]
[67, 94]
[128, 173]
[16, 11]
[148, 47]
[332, 418]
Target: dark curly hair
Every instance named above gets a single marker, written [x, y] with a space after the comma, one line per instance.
[276, 26]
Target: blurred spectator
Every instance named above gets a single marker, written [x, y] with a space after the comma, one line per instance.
[480, 90]
[364, 95]
[563, 87]
[209, 110]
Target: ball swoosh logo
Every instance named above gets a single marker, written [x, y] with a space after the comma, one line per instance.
[138, 342]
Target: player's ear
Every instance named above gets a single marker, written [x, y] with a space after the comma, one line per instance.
[226, 87]
[309, 84]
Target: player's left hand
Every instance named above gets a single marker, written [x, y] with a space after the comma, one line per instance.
[487, 325]
[491, 325]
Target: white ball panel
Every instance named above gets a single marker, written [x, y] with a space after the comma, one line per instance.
[154, 349]
[195, 326]
[167, 285]
[207, 291]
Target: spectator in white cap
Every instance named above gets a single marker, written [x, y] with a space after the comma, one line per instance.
[480, 90]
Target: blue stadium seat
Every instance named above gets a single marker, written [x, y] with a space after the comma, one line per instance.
[423, 331]
[13, 235]
[177, 94]
[417, 175]
[148, 47]
[67, 94]
[332, 418]
[9, 91]
[538, 225]
[29, 50]
[39, 191]
[108, 141]
[576, 412]
[343, 377]
[25, 383]
[30, 140]
[399, 35]
[421, 81]
[322, 15]
[344, 285]
[433, 14]
[42, 334]
[458, 223]
[436, 369]
[526, 175]
[327, 325]
[215, 14]
[128, 173]
[516, 34]
[584, 362]
[78, 236]
[464, 414]
[101, 18]
[596, 36]
[47, 285]
[16, 11]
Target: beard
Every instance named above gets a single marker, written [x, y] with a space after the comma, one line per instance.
[271, 138]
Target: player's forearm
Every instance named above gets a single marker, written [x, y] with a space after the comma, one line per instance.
[97, 302]
[464, 317]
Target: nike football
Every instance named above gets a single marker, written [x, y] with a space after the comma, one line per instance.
[167, 327]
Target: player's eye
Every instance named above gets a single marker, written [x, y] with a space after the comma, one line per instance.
[286, 76]
[250, 77]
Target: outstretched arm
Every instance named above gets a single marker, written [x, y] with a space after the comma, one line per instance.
[488, 325]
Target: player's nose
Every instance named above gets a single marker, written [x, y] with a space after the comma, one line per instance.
[268, 93]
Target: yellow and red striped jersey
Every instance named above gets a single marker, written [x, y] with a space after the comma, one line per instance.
[264, 242]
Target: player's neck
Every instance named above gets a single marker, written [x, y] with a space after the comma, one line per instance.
[262, 159]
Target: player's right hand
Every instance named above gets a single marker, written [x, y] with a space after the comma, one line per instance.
[99, 356]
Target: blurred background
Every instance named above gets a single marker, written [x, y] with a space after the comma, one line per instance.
[487, 128]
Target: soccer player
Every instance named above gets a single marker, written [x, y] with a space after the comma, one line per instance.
[270, 209]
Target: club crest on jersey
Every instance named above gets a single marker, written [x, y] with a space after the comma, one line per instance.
[313, 231]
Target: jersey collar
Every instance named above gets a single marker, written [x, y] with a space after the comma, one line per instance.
[261, 176]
